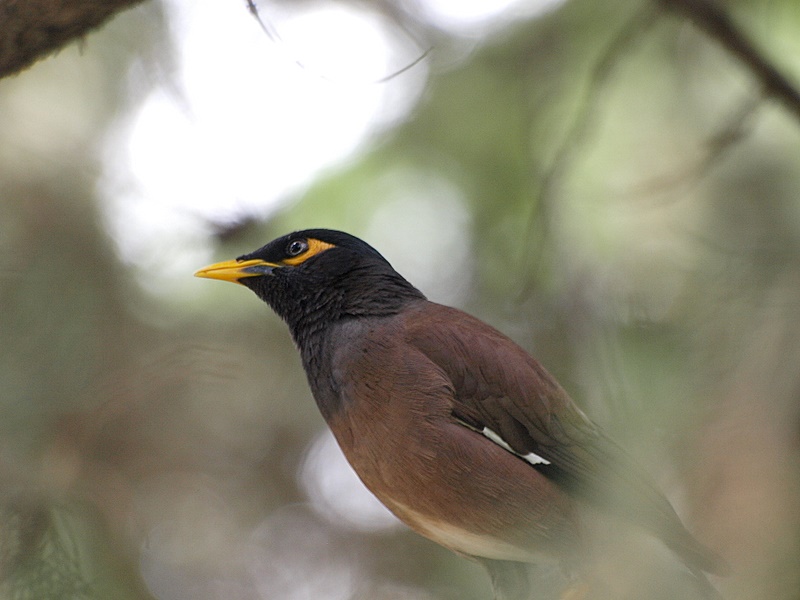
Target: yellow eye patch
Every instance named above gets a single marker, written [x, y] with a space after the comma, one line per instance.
[314, 247]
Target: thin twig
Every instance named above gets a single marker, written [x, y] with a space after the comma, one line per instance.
[272, 33]
[717, 147]
[567, 152]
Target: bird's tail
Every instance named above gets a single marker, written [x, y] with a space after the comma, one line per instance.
[699, 560]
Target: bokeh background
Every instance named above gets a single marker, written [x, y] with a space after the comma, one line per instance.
[601, 181]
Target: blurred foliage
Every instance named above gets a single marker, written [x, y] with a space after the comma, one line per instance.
[625, 204]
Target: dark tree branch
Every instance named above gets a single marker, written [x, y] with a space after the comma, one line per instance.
[32, 29]
[712, 18]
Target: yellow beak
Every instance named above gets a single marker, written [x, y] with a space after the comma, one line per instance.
[234, 270]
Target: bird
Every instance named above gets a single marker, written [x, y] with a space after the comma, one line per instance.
[453, 426]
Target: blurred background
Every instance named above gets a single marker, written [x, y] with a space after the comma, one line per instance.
[601, 181]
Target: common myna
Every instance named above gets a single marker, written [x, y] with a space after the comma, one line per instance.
[454, 427]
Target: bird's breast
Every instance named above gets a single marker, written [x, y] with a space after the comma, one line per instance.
[394, 421]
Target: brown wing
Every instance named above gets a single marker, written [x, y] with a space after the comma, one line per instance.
[501, 387]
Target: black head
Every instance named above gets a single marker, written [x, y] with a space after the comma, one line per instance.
[315, 277]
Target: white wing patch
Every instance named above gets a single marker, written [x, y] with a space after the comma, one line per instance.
[530, 457]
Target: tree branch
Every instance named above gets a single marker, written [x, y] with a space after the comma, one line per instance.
[712, 18]
[32, 29]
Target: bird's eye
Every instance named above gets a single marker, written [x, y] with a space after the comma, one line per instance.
[296, 247]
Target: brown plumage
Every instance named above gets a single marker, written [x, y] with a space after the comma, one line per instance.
[453, 426]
